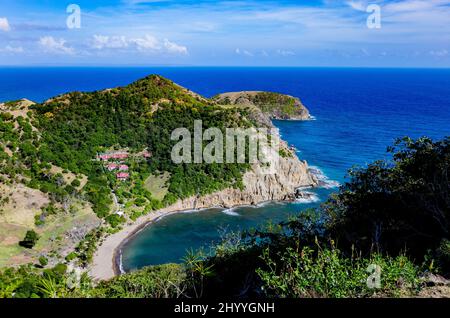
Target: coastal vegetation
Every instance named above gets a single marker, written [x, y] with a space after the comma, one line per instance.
[52, 179]
[383, 234]
[275, 105]
[58, 200]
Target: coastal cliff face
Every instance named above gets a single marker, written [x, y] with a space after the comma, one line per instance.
[287, 175]
[258, 187]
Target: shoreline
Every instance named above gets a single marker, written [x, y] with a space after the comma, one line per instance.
[104, 265]
[106, 261]
[118, 250]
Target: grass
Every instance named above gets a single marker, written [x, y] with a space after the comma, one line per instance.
[59, 225]
[157, 185]
[55, 226]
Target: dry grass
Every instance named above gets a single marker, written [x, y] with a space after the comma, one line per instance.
[156, 185]
[60, 233]
[69, 176]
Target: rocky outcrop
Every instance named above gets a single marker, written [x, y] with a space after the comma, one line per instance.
[275, 105]
[289, 175]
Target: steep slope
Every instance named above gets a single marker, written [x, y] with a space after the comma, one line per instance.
[35, 195]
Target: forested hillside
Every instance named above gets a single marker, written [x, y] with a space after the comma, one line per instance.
[53, 149]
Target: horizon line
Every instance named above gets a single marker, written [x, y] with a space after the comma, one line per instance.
[223, 66]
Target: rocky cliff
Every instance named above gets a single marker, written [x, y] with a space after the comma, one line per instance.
[280, 183]
[259, 187]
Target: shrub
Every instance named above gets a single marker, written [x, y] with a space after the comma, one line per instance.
[398, 204]
[115, 220]
[164, 281]
[30, 240]
[328, 273]
[76, 183]
[43, 261]
[71, 256]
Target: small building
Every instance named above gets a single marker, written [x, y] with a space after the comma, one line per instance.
[146, 154]
[123, 168]
[123, 176]
[104, 157]
[112, 166]
[120, 155]
[112, 155]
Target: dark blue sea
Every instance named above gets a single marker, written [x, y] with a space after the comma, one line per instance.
[358, 114]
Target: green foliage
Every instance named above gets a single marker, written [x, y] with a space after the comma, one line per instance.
[197, 270]
[76, 126]
[76, 183]
[71, 256]
[274, 102]
[29, 282]
[30, 239]
[307, 272]
[86, 248]
[5, 116]
[164, 281]
[43, 261]
[390, 206]
[115, 220]
[442, 255]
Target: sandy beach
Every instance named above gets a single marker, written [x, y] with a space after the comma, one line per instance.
[103, 266]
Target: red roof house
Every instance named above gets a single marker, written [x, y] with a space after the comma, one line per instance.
[123, 175]
[112, 166]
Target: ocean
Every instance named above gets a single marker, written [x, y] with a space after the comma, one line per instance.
[358, 114]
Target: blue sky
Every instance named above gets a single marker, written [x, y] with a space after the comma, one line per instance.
[413, 33]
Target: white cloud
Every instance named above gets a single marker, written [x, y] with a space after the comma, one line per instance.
[172, 47]
[50, 44]
[357, 5]
[12, 49]
[243, 52]
[415, 5]
[147, 43]
[439, 53]
[115, 42]
[4, 25]
[285, 53]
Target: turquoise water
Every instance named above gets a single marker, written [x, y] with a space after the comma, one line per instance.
[359, 112]
[168, 239]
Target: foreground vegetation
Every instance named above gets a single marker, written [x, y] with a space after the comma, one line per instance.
[381, 235]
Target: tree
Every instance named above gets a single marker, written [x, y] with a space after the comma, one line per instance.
[402, 204]
[30, 240]
[43, 261]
